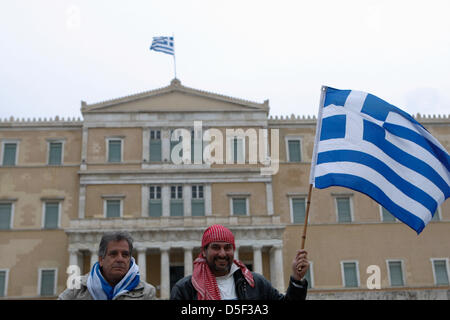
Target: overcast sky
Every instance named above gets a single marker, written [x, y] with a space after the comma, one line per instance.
[53, 54]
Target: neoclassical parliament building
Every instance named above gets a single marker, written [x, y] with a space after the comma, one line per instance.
[167, 163]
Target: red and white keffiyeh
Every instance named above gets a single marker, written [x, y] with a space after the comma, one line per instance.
[203, 279]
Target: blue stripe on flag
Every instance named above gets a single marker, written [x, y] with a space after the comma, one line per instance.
[376, 135]
[370, 161]
[336, 97]
[413, 136]
[373, 191]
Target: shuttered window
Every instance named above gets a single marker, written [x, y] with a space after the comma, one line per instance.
[51, 215]
[176, 201]
[155, 206]
[298, 210]
[294, 150]
[114, 150]
[396, 273]
[5, 216]
[155, 146]
[441, 272]
[350, 274]
[198, 201]
[9, 154]
[343, 209]
[55, 153]
[48, 278]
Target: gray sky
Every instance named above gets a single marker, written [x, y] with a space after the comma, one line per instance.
[53, 54]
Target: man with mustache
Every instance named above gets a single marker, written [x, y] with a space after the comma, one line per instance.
[218, 276]
[115, 276]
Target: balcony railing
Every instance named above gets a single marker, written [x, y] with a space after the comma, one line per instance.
[171, 222]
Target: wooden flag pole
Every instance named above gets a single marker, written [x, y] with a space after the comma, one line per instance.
[308, 202]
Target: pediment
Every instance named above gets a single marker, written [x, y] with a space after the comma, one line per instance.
[175, 98]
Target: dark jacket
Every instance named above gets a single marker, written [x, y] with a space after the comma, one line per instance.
[263, 290]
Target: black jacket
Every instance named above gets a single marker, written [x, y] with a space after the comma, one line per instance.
[263, 290]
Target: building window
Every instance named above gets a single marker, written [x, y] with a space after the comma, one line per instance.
[344, 213]
[47, 282]
[9, 153]
[55, 153]
[114, 150]
[113, 208]
[298, 210]
[176, 201]
[440, 271]
[294, 151]
[155, 146]
[239, 206]
[3, 282]
[395, 269]
[51, 215]
[386, 216]
[350, 274]
[238, 150]
[198, 201]
[155, 206]
[6, 216]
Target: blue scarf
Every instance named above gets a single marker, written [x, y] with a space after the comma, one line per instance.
[100, 289]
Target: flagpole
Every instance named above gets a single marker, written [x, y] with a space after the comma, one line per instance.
[308, 202]
[323, 91]
[174, 61]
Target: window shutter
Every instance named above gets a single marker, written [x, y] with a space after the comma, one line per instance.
[112, 208]
[55, 155]
[115, 150]
[299, 210]
[51, 215]
[47, 282]
[240, 206]
[5, 216]
[294, 151]
[395, 270]
[350, 275]
[343, 206]
[9, 154]
[440, 269]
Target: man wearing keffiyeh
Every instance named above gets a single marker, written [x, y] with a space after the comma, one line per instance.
[115, 276]
[218, 276]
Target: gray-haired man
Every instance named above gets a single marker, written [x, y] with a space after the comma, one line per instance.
[115, 276]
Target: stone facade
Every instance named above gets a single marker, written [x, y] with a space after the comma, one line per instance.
[86, 184]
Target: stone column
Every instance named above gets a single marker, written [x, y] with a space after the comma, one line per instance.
[142, 263]
[208, 200]
[165, 198]
[165, 273]
[188, 263]
[165, 141]
[276, 267]
[269, 198]
[84, 147]
[145, 196]
[82, 202]
[257, 259]
[187, 200]
[145, 145]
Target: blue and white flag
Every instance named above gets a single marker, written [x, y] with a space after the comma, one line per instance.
[368, 145]
[163, 44]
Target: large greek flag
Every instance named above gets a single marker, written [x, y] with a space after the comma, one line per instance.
[368, 145]
[163, 44]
